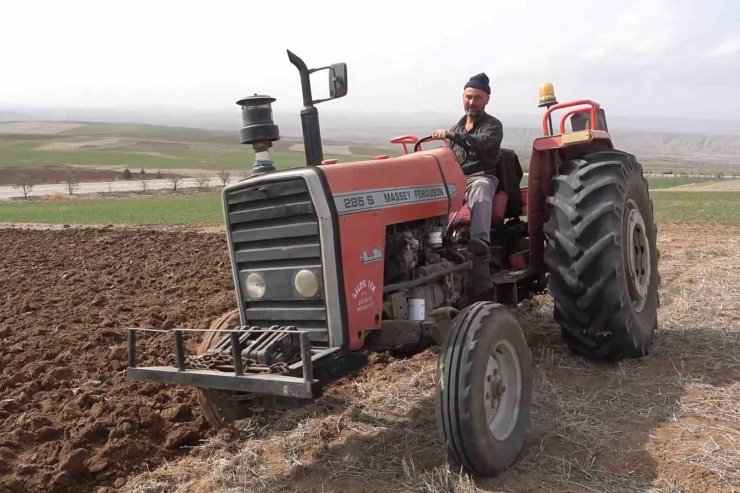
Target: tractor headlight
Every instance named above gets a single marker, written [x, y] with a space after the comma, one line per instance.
[306, 283]
[255, 286]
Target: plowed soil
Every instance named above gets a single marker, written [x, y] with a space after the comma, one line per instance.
[70, 421]
[68, 417]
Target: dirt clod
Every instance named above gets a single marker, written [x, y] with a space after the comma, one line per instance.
[61, 481]
[181, 436]
[177, 413]
[74, 463]
[63, 373]
[47, 433]
[12, 486]
[122, 430]
[118, 353]
[92, 433]
[97, 464]
[38, 422]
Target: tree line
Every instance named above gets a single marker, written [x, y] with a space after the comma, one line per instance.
[26, 182]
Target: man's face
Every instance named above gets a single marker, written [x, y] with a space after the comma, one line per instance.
[474, 101]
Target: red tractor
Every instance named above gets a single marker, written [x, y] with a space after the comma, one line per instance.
[334, 259]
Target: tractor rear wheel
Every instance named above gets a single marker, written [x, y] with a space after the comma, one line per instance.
[602, 256]
[221, 407]
[484, 389]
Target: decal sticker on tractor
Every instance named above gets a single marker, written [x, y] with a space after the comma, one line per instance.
[364, 294]
[376, 255]
[368, 200]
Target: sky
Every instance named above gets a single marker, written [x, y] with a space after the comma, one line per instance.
[648, 58]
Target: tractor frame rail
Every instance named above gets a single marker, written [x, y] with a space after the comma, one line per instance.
[240, 380]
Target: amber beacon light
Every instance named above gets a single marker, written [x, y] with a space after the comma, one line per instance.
[547, 98]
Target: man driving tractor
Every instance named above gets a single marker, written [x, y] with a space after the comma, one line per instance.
[480, 134]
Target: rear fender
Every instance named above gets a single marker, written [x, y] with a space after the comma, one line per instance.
[548, 154]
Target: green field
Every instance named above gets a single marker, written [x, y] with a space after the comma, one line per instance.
[660, 182]
[156, 132]
[150, 147]
[677, 168]
[185, 209]
[705, 207]
[200, 208]
[215, 158]
[656, 182]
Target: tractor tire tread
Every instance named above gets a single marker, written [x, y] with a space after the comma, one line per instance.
[458, 382]
[584, 231]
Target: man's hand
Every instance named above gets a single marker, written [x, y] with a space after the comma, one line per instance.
[442, 134]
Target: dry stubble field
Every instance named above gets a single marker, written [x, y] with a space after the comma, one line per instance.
[70, 421]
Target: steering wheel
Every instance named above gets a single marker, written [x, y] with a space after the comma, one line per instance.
[463, 146]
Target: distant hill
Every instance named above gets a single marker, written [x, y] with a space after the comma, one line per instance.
[9, 116]
[221, 128]
[681, 147]
[670, 147]
[31, 145]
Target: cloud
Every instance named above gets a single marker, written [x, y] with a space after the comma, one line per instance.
[727, 48]
[402, 56]
[660, 44]
[640, 33]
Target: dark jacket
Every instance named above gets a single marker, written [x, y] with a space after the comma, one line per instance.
[484, 141]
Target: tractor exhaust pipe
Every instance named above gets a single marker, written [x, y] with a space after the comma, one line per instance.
[309, 113]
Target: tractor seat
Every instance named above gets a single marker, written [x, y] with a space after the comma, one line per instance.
[500, 200]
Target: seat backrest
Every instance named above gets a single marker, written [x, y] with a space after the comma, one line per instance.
[580, 121]
[509, 173]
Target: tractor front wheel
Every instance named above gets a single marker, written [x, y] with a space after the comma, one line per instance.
[221, 407]
[602, 256]
[484, 389]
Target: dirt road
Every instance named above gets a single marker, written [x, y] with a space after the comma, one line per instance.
[117, 186]
[70, 421]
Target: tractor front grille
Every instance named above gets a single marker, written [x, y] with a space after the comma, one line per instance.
[274, 231]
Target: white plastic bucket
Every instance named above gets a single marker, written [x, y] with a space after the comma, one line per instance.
[417, 309]
[435, 238]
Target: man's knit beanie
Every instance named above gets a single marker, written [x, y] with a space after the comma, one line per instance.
[479, 81]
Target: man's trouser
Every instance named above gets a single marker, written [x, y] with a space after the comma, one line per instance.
[479, 196]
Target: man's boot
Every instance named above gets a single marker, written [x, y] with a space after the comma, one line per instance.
[481, 271]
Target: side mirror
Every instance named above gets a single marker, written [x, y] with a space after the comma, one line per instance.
[337, 80]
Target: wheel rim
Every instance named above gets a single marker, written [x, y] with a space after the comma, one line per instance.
[502, 390]
[638, 256]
